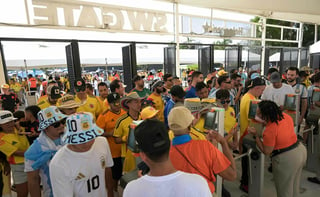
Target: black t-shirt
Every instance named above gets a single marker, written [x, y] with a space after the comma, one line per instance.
[9, 102]
[31, 127]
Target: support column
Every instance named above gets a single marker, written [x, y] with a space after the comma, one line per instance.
[3, 67]
[73, 63]
[300, 44]
[263, 44]
[129, 61]
[315, 33]
[176, 38]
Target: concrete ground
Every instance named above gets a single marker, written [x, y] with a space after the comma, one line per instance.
[269, 190]
[311, 189]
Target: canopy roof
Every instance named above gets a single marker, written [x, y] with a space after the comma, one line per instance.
[292, 10]
[315, 48]
[187, 56]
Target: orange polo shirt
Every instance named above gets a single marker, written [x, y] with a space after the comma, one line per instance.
[107, 121]
[280, 135]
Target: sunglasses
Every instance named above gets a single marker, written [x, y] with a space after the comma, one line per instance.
[80, 89]
[227, 82]
[225, 101]
[57, 124]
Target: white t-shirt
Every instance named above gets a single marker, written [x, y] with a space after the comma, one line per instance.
[277, 95]
[75, 174]
[172, 185]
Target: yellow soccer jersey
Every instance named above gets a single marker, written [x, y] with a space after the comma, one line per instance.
[244, 111]
[44, 104]
[91, 105]
[122, 129]
[200, 124]
[194, 134]
[42, 98]
[158, 104]
[10, 143]
[103, 103]
[229, 119]
[16, 87]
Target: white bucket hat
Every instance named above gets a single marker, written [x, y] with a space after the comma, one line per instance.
[48, 116]
[81, 128]
[6, 116]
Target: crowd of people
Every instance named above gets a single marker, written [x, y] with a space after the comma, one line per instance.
[76, 143]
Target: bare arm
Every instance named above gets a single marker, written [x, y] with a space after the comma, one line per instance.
[267, 150]
[230, 173]
[120, 140]
[109, 181]
[303, 109]
[238, 96]
[108, 134]
[34, 183]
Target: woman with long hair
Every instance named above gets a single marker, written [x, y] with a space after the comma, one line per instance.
[280, 141]
[14, 146]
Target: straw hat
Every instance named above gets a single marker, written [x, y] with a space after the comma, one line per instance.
[129, 97]
[67, 102]
[306, 68]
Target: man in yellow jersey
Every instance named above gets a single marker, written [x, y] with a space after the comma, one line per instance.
[156, 98]
[107, 121]
[132, 104]
[14, 146]
[16, 87]
[103, 94]
[54, 94]
[256, 88]
[89, 103]
[45, 95]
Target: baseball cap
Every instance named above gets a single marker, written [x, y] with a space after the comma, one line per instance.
[5, 86]
[257, 82]
[152, 136]
[254, 75]
[275, 77]
[157, 84]
[113, 97]
[177, 91]
[67, 102]
[148, 112]
[79, 85]
[179, 118]
[81, 128]
[54, 91]
[48, 116]
[6, 116]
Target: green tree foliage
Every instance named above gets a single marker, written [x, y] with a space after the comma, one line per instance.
[221, 45]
